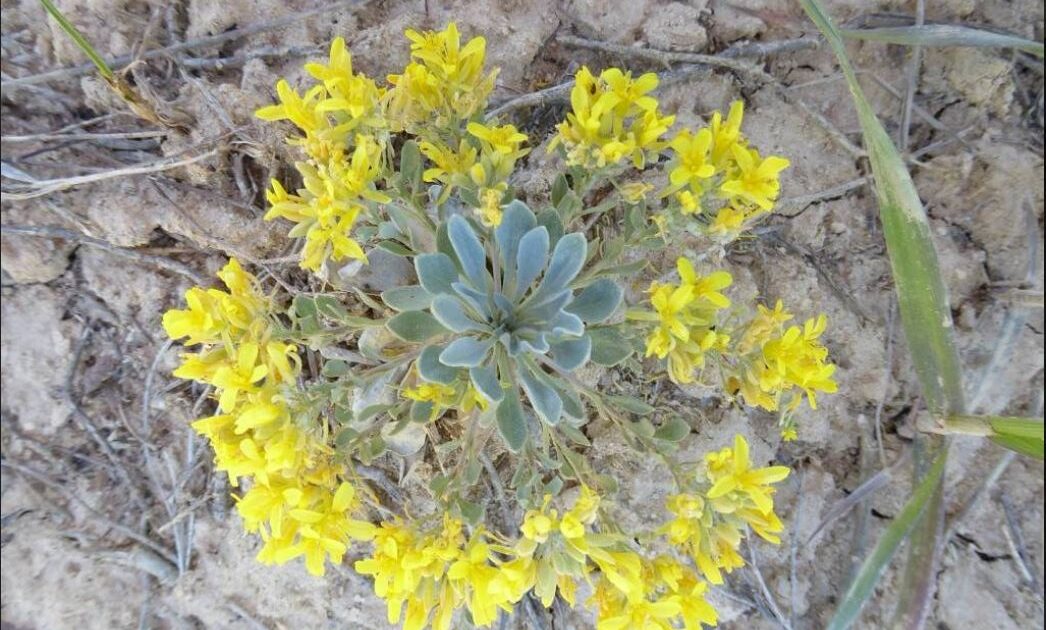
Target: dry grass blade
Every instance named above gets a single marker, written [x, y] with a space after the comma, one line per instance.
[943, 35]
[926, 317]
[874, 565]
[873, 484]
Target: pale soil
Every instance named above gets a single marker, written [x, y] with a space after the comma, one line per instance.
[65, 568]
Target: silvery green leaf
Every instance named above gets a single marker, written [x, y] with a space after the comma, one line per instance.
[543, 398]
[567, 324]
[608, 346]
[553, 223]
[436, 272]
[451, 313]
[477, 300]
[512, 424]
[430, 368]
[567, 260]
[529, 344]
[502, 303]
[530, 259]
[516, 220]
[469, 250]
[547, 310]
[421, 411]
[415, 326]
[597, 301]
[573, 408]
[408, 298]
[572, 353]
[485, 380]
[465, 352]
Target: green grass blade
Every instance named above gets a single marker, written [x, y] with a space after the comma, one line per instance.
[944, 35]
[1017, 427]
[921, 293]
[885, 548]
[1029, 447]
[78, 38]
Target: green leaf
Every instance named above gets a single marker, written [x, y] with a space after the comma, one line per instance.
[410, 164]
[673, 430]
[608, 346]
[597, 301]
[395, 247]
[408, 298]
[335, 368]
[922, 299]
[885, 548]
[415, 326]
[1030, 447]
[632, 405]
[471, 512]
[559, 188]
[512, 425]
[937, 35]
[329, 306]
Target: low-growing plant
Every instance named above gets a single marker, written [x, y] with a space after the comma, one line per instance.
[496, 353]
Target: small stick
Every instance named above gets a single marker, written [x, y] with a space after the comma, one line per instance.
[771, 602]
[912, 82]
[41, 187]
[203, 42]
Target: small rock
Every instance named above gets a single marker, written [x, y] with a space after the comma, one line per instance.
[676, 26]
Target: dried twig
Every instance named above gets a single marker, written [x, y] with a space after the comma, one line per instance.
[203, 42]
[40, 187]
[44, 231]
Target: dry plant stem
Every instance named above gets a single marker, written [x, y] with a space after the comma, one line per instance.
[1015, 540]
[763, 588]
[97, 515]
[203, 42]
[912, 81]
[69, 235]
[891, 315]
[42, 187]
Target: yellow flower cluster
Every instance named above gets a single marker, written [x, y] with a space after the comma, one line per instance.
[344, 143]
[442, 85]
[685, 315]
[613, 118]
[462, 397]
[668, 595]
[709, 524]
[480, 166]
[717, 159]
[780, 364]
[298, 500]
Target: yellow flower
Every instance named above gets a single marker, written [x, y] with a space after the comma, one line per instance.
[728, 222]
[504, 139]
[611, 119]
[447, 162]
[756, 179]
[688, 203]
[440, 396]
[740, 477]
[490, 209]
[692, 165]
[635, 192]
[725, 135]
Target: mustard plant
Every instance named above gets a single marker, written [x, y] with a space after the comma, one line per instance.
[492, 351]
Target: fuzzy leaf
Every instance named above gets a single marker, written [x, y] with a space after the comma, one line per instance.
[430, 368]
[485, 380]
[571, 353]
[673, 430]
[597, 301]
[415, 326]
[608, 346]
[567, 324]
[465, 352]
[512, 425]
[450, 312]
[436, 272]
[469, 250]
[543, 398]
[516, 220]
[408, 298]
[531, 258]
[567, 260]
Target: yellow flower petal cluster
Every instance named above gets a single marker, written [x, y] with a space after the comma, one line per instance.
[779, 365]
[460, 396]
[442, 85]
[669, 595]
[714, 166]
[685, 315]
[730, 495]
[297, 498]
[613, 118]
[344, 142]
